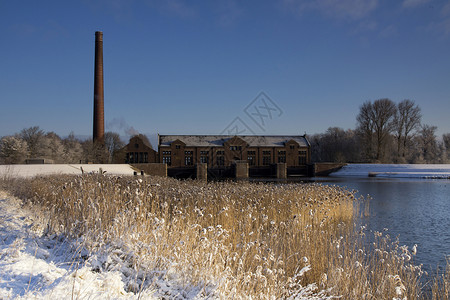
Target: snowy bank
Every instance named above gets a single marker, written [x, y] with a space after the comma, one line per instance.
[35, 266]
[55, 169]
[437, 171]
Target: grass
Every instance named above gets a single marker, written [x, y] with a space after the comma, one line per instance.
[235, 239]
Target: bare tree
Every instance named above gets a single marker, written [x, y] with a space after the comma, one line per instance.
[52, 147]
[73, 152]
[95, 152]
[113, 143]
[383, 116]
[13, 150]
[427, 144]
[34, 138]
[407, 119]
[446, 141]
[376, 122]
[366, 128]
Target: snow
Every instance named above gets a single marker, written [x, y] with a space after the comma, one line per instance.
[35, 266]
[436, 171]
[51, 169]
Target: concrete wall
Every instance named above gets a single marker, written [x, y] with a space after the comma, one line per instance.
[156, 169]
[324, 169]
[281, 170]
[241, 170]
[202, 171]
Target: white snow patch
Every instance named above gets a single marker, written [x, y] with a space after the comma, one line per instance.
[52, 169]
[35, 266]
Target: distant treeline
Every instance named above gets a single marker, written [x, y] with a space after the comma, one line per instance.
[33, 143]
[386, 132]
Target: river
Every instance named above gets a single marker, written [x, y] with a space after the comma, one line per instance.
[416, 210]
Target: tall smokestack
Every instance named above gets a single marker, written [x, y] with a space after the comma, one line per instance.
[99, 115]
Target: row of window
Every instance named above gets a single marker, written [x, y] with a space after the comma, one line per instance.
[250, 152]
[188, 160]
[232, 148]
[142, 157]
[220, 159]
[136, 158]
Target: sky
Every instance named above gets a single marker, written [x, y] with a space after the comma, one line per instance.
[281, 67]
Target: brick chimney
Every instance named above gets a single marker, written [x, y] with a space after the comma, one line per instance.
[99, 115]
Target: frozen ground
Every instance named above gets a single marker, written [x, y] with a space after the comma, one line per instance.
[33, 266]
[50, 169]
[438, 171]
[37, 266]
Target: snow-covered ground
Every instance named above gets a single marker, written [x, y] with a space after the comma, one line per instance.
[33, 266]
[438, 171]
[51, 169]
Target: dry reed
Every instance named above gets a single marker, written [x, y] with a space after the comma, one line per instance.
[236, 239]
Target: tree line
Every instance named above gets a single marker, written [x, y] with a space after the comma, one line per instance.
[33, 142]
[385, 132]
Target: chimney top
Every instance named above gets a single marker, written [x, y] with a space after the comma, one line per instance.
[99, 35]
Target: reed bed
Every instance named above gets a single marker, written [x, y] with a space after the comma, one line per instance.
[233, 239]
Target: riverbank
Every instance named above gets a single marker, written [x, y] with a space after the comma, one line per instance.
[426, 171]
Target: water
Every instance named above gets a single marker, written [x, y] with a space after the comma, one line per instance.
[415, 210]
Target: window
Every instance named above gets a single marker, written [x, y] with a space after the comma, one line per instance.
[141, 157]
[167, 157]
[204, 158]
[220, 152]
[177, 146]
[281, 156]
[136, 145]
[188, 158]
[302, 157]
[167, 160]
[266, 157]
[292, 147]
[251, 158]
[235, 148]
[220, 160]
[145, 157]
[302, 160]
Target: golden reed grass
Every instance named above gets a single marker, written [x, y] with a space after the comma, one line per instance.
[237, 239]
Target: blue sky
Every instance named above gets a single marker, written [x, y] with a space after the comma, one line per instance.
[199, 67]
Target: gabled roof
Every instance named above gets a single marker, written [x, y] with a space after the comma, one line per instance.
[219, 140]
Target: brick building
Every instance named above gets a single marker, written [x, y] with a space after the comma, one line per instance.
[224, 150]
[138, 151]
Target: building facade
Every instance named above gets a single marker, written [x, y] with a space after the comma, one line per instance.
[224, 150]
[138, 151]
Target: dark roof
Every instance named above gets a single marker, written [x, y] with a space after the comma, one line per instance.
[219, 140]
[143, 138]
